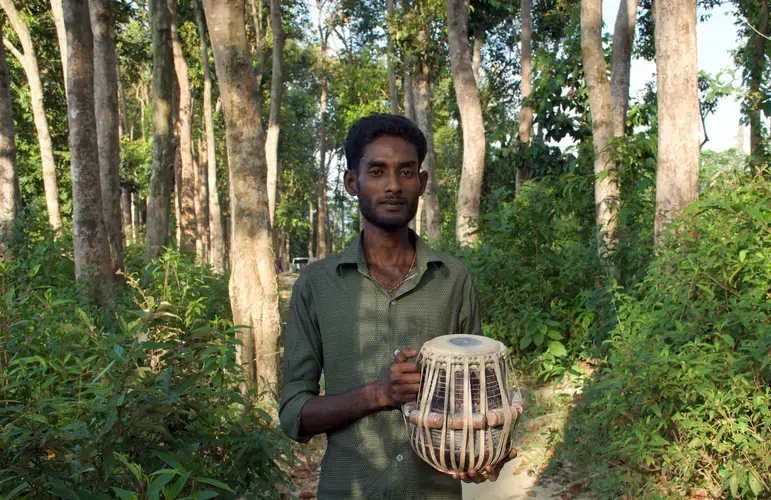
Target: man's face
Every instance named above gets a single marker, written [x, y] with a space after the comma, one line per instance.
[388, 182]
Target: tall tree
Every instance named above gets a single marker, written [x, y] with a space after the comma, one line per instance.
[186, 186]
[159, 195]
[28, 61]
[107, 123]
[202, 204]
[470, 106]
[757, 69]
[321, 220]
[391, 11]
[61, 36]
[93, 263]
[216, 233]
[276, 92]
[253, 289]
[526, 63]
[10, 196]
[621, 63]
[677, 178]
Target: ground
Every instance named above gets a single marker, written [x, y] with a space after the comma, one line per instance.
[547, 408]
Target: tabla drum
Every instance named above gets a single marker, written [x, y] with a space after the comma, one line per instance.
[468, 404]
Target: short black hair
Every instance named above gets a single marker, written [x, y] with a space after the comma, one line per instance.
[371, 127]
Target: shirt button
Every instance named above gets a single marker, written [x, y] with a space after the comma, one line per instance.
[393, 302]
[399, 458]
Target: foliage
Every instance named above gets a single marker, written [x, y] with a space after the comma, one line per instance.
[682, 400]
[149, 408]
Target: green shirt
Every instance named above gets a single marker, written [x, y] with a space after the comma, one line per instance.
[342, 322]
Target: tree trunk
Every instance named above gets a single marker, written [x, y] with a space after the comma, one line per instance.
[433, 217]
[476, 58]
[605, 184]
[10, 195]
[158, 200]
[216, 233]
[621, 64]
[135, 222]
[756, 77]
[321, 231]
[310, 233]
[409, 96]
[187, 193]
[677, 180]
[276, 91]
[61, 36]
[258, 35]
[526, 63]
[177, 190]
[93, 264]
[200, 251]
[29, 63]
[390, 28]
[467, 93]
[107, 123]
[202, 191]
[125, 205]
[253, 289]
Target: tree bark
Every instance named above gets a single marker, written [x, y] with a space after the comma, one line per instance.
[390, 28]
[756, 77]
[677, 180]
[10, 195]
[621, 63]
[29, 62]
[409, 96]
[107, 124]
[605, 184]
[135, 222]
[125, 205]
[321, 231]
[476, 58]
[276, 92]
[433, 216]
[467, 93]
[253, 289]
[187, 193]
[61, 36]
[258, 35]
[93, 264]
[310, 229]
[526, 63]
[202, 192]
[216, 232]
[200, 251]
[159, 196]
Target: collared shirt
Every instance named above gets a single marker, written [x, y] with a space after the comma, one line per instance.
[342, 322]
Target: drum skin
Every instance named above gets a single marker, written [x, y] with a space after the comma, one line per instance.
[467, 406]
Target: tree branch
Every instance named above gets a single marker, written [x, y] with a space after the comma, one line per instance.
[14, 50]
[753, 27]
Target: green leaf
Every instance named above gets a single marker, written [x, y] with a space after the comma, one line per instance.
[160, 481]
[742, 255]
[205, 495]
[755, 483]
[657, 440]
[733, 484]
[16, 491]
[728, 339]
[214, 482]
[101, 374]
[557, 349]
[555, 335]
[176, 489]
[538, 339]
[124, 495]
[169, 459]
[524, 342]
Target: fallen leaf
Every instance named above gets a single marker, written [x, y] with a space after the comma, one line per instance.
[576, 489]
[531, 493]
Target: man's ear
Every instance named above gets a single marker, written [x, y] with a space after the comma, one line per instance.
[423, 181]
[349, 179]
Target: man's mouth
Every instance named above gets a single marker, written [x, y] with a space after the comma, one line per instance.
[393, 203]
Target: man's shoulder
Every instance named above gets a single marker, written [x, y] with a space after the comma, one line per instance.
[453, 264]
[319, 269]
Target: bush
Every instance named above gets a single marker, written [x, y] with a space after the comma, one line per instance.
[683, 399]
[149, 408]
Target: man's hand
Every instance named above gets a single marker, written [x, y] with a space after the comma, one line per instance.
[402, 382]
[489, 473]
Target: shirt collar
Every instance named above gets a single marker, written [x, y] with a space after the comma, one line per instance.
[354, 255]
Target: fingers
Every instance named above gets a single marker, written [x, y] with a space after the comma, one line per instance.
[403, 355]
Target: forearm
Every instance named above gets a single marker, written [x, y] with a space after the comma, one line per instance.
[322, 414]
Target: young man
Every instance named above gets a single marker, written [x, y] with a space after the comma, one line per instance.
[360, 316]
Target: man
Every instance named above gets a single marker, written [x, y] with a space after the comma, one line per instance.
[360, 315]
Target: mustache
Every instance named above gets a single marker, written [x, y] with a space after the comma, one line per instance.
[393, 199]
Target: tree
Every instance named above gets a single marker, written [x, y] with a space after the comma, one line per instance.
[28, 60]
[216, 233]
[677, 179]
[321, 220]
[107, 123]
[757, 70]
[391, 10]
[526, 62]
[61, 36]
[93, 263]
[186, 186]
[10, 196]
[159, 195]
[467, 94]
[253, 289]
[276, 91]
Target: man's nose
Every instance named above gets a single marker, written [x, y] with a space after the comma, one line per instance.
[394, 182]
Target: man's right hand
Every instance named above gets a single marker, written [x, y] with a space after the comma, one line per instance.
[402, 382]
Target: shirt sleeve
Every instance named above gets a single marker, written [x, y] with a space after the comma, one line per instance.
[302, 360]
[470, 319]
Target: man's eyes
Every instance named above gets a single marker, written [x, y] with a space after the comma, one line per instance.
[407, 173]
[376, 172]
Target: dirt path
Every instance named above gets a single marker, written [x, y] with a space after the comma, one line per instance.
[525, 477]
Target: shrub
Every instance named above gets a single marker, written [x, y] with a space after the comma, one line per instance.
[149, 408]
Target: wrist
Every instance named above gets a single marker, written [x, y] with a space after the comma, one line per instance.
[376, 397]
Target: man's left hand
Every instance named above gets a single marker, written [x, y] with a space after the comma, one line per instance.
[489, 473]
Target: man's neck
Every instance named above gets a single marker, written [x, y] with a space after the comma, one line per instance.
[387, 247]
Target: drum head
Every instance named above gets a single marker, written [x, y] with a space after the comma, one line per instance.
[464, 345]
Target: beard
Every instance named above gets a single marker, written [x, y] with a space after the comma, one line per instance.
[369, 210]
